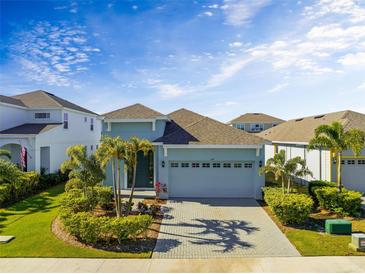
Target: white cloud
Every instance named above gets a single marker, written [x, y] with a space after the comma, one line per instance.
[351, 59]
[226, 104]
[208, 13]
[277, 88]
[51, 53]
[361, 86]
[214, 6]
[235, 44]
[170, 90]
[240, 12]
[135, 7]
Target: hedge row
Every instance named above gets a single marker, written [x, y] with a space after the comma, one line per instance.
[289, 208]
[78, 219]
[16, 185]
[346, 202]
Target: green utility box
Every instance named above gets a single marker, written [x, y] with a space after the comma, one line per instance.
[338, 226]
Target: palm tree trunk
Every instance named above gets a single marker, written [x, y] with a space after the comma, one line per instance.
[289, 185]
[115, 188]
[338, 162]
[133, 186]
[283, 184]
[118, 194]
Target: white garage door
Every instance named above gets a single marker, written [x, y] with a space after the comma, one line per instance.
[211, 179]
[353, 174]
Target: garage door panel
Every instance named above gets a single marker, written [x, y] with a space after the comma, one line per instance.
[211, 182]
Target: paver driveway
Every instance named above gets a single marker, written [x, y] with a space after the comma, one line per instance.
[208, 228]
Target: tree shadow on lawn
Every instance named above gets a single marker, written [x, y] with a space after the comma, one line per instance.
[37, 203]
[226, 235]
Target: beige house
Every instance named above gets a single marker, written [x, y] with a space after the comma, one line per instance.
[294, 135]
[255, 122]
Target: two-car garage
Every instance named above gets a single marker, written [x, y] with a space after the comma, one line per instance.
[207, 179]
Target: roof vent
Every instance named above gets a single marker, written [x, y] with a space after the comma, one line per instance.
[256, 113]
[319, 116]
[300, 119]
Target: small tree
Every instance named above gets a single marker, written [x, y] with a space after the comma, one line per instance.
[276, 166]
[135, 145]
[86, 169]
[113, 151]
[294, 168]
[5, 153]
[334, 138]
[284, 170]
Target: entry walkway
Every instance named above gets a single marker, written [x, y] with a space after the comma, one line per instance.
[270, 264]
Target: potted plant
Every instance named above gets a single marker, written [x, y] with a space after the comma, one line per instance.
[161, 190]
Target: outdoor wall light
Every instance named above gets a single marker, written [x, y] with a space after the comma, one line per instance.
[163, 163]
[260, 164]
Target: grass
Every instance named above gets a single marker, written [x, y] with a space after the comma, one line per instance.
[311, 242]
[30, 222]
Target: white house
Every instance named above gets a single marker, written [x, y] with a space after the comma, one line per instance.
[294, 135]
[37, 127]
[255, 122]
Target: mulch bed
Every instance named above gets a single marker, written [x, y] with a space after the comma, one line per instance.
[143, 243]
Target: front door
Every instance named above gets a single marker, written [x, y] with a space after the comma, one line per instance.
[144, 175]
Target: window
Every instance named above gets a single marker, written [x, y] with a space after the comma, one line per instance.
[42, 115]
[195, 165]
[206, 165]
[92, 124]
[350, 162]
[240, 126]
[361, 162]
[237, 165]
[227, 165]
[65, 120]
[185, 165]
[97, 146]
[248, 165]
[174, 164]
[257, 127]
[216, 165]
[85, 119]
[91, 147]
[342, 162]
[274, 125]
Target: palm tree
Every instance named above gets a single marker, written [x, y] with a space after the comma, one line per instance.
[6, 153]
[113, 151]
[276, 166]
[135, 145]
[86, 169]
[294, 168]
[334, 138]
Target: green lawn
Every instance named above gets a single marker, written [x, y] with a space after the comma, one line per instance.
[313, 243]
[30, 222]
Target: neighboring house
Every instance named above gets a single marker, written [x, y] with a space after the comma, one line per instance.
[255, 122]
[293, 136]
[37, 127]
[194, 156]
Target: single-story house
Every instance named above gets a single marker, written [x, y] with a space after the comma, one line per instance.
[194, 156]
[294, 135]
[255, 122]
[37, 128]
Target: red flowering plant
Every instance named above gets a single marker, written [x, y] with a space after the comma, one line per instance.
[160, 188]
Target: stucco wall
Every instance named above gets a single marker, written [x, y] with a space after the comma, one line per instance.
[12, 116]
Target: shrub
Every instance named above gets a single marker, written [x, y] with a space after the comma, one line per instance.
[51, 179]
[289, 208]
[76, 201]
[129, 227]
[313, 185]
[73, 184]
[152, 209]
[5, 193]
[345, 202]
[104, 196]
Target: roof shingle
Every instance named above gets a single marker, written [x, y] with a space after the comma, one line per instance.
[302, 129]
[30, 128]
[10, 100]
[43, 99]
[256, 118]
[188, 127]
[136, 111]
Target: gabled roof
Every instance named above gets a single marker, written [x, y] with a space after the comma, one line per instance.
[256, 118]
[43, 99]
[187, 127]
[302, 129]
[136, 111]
[30, 128]
[10, 100]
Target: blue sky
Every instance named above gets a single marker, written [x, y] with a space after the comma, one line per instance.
[219, 58]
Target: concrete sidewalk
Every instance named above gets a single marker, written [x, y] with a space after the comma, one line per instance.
[269, 264]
